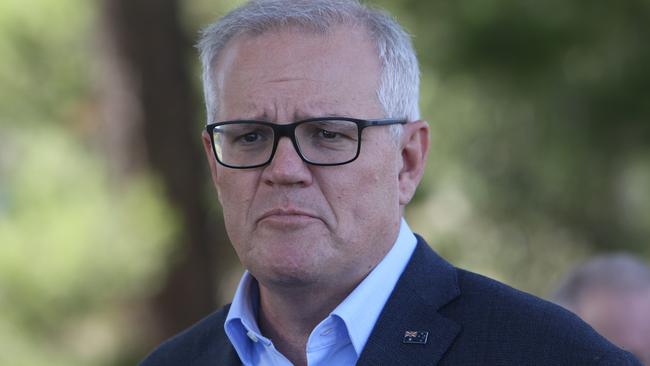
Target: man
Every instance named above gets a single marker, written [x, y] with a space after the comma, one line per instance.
[316, 146]
[612, 293]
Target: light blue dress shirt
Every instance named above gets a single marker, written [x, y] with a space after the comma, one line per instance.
[339, 338]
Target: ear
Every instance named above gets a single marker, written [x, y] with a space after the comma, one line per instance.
[212, 160]
[414, 146]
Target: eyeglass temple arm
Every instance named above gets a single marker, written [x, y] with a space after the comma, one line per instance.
[385, 121]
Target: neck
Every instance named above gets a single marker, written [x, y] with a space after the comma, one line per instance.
[288, 316]
[288, 313]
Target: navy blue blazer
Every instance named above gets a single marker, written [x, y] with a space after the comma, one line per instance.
[467, 319]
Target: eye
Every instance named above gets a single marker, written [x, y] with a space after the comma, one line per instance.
[328, 135]
[250, 137]
[331, 130]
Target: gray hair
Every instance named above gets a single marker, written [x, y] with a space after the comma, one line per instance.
[614, 272]
[398, 90]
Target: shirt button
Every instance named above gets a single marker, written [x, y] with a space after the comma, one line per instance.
[252, 336]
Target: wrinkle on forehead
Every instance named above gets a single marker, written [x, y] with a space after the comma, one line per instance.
[258, 112]
[277, 83]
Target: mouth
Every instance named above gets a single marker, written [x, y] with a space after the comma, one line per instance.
[285, 217]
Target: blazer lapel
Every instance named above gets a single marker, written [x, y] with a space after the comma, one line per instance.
[221, 353]
[224, 355]
[411, 314]
[213, 347]
[229, 357]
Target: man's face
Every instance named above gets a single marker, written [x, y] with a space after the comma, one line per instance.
[294, 224]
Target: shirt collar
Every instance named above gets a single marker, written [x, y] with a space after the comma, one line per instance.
[359, 311]
[241, 324]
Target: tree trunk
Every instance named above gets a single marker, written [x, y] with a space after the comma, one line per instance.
[151, 125]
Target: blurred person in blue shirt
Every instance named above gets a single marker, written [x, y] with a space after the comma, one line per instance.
[316, 145]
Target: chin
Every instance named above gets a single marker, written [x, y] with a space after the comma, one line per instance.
[286, 276]
[292, 259]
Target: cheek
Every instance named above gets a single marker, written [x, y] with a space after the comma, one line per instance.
[382, 192]
[236, 192]
[363, 194]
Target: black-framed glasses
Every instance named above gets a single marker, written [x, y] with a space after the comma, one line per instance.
[325, 141]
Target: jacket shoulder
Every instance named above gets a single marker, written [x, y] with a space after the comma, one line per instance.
[515, 326]
[205, 340]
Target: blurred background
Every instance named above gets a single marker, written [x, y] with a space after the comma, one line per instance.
[110, 232]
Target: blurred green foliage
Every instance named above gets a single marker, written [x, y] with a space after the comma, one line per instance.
[540, 157]
[71, 247]
[74, 246]
[540, 133]
[45, 49]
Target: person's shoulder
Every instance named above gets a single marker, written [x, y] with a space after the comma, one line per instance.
[518, 325]
[505, 307]
[194, 343]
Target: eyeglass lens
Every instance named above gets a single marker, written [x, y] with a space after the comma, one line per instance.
[319, 142]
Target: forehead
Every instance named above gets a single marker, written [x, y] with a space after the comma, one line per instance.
[293, 73]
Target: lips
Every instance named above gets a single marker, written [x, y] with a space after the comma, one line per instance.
[287, 215]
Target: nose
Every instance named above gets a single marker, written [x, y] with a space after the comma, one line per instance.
[287, 168]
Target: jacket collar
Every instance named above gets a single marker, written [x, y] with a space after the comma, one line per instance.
[427, 284]
[212, 346]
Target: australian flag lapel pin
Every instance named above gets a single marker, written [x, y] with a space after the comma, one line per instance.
[415, 337]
